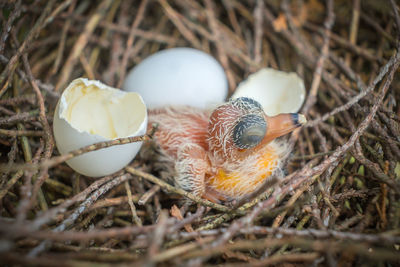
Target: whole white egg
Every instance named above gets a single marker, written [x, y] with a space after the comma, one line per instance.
[178, 76]
[89, 112]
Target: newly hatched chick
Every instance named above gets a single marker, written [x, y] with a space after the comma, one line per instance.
[224, 154]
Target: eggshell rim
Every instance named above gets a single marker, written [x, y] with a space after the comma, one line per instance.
[63, 104]
[270, 71]
[253, 76]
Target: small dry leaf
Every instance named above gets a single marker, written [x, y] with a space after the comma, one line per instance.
[175, 212]
[279, 23]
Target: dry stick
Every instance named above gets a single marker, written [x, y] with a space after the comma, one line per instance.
[320, 246]
[12, 63]
[49, 143]
[233, 44]
[26, 189]
[72, 235]
[19, 117]
[129, 42]
[353, 28]
[387, 239]
[135, 217]
[258, 31]
[10, 183]
[176, 251]
[397, 18]
[147, 195]
[212, 21]
[374, 167]
[97, 146]
[116, 44]
[378, 29]
[16, 133]
[304, 258]
[31, 196]
[147, 35]
[86, 66]
[6, 183]
[11, 155]
[232, 17]
[278, 220]
[81, 209]
[33, 33]
[51, 213]
[383, 71]
[29, 98]
[11, 230]
[158, 236]
[312, 95]
[175, 19]
[42, 109]
[8, 25]
[105, 35]
[233, 50]
[61, 45]
[44, 86]
[175, 190]
[81, 43]
[109, 202]
[345, 43]
[294, 29]
[305, 173]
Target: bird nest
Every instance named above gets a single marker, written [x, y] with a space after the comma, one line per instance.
[339, 202]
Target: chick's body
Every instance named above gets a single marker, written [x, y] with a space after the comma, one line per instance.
[207, 160]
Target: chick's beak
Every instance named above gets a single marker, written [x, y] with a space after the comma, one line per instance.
[282, 124]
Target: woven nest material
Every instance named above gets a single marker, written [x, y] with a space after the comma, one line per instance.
[339, 204]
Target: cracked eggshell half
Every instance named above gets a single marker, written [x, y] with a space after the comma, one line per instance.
[179, 76]
[277, 91]
[89, 112]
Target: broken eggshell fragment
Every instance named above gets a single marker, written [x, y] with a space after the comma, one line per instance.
[89, 112]
[277, 91]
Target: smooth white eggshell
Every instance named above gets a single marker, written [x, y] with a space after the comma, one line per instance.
[277, 91]
[82, 117]
[178, 76]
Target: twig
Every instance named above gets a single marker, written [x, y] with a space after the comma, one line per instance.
[135, 217]
[129, 42]
[175, 18]
[81, 43]
[354, 27]
[57, 160]
[383, 71]
[146, 196]
[87, 203]
[312, 95]
[8, 25]
[15, 133]
[51, 213]
[218, 42]
[258, 30]
[175, 190]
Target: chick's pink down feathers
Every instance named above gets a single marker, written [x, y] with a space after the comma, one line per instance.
[198, 145]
